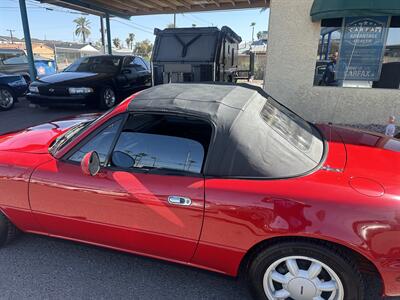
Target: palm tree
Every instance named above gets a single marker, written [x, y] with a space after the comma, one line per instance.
[129, 40]
[252, 35]
[82, 28]
[139, 158]
[117, 42]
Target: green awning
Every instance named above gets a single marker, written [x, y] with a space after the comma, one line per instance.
[329, 9]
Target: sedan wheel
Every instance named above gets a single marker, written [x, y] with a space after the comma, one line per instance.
[302, 278]
[7, 98]
[108, 98]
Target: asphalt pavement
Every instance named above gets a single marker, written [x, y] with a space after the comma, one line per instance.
[24, 115]
[36, 267]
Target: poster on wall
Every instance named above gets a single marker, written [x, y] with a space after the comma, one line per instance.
[362, 48]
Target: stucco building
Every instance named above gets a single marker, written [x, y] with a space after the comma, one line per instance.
[294, 40]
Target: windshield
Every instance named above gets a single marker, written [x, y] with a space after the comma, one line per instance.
[99, 64]
[68, 136]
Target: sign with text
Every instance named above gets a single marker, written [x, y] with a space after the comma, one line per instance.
[362, 48]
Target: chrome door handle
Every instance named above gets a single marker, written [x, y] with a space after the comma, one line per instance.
[179, 200]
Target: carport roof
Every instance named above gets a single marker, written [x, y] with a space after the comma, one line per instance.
[128, 8]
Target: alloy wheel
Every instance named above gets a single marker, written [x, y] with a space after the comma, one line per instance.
[6, 99]
[109, 97]
[302, 278]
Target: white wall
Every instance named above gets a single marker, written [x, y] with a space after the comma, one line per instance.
[292, 52]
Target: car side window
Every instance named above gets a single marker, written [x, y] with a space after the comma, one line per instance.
[128, 62]
[139, 64]
[159, 142]
[146, 63]
[101, 143]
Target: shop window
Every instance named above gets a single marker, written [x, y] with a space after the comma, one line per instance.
[359, 52]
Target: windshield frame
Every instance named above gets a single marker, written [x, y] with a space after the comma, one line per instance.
[59, 143]
[54, 150]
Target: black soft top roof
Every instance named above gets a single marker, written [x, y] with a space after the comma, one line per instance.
[245, 144]
[212, 101]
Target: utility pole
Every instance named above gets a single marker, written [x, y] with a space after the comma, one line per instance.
[102, 35]
[252, 34]
[11, 35]
[27, 36]
[108, 31]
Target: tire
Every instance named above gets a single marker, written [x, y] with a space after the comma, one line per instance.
[8, 231]
[272, 273]
[7, 98]
[108, 98]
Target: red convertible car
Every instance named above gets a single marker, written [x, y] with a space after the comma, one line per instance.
[219, 177]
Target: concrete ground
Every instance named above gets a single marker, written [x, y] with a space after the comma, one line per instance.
[35, 267]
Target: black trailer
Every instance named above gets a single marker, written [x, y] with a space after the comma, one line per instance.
[196, 54]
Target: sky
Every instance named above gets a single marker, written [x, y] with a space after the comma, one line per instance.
[58, 24]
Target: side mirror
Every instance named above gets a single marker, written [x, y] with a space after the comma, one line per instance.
[90, 164]
[126, 71]
[122, 160]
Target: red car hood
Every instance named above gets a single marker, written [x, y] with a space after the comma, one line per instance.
[37, 139]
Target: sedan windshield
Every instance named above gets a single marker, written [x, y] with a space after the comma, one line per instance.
[102, 64]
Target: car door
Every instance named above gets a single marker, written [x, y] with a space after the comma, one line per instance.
[143, 71]
[154, 206]
[129, 75]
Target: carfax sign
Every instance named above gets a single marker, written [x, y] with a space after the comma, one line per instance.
[362, 48]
